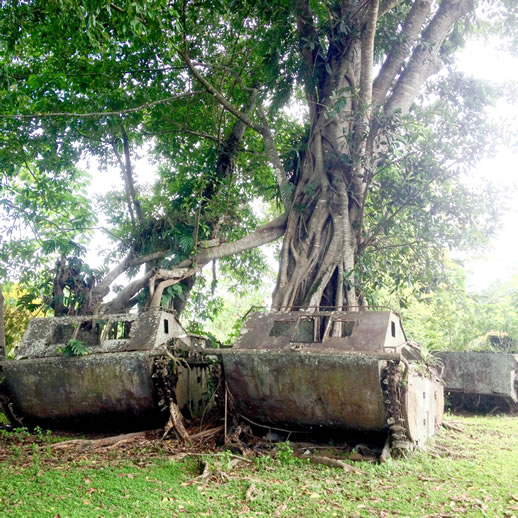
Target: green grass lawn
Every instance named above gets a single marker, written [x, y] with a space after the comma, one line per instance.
[473, 472]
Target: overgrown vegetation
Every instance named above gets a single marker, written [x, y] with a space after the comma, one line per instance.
[455, 477]
[16, 316]
[366, 187]
[444, 315]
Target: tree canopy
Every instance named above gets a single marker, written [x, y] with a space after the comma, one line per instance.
[347, 117]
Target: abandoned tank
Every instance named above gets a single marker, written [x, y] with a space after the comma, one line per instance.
[481, 381]
[120, 374]
[334, 370]
[311, 371]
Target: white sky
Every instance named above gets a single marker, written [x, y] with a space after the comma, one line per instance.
[483, 60]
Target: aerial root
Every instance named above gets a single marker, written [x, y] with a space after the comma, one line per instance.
[175, 423]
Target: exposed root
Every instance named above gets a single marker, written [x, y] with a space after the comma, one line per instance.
[104, 442]
[205, 472]
[205, 434]
[250, 492]
[334, 463]
[451, 426]
[385, 453]
[175, 423]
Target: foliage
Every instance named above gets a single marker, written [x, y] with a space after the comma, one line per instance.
[207, 89]
[143, 480]
[443, 315]
[285, 453]
[75, 348]
[220, 310]
[16, 316]
[43, 214]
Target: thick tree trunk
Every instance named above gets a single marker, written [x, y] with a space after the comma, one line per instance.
[324, 232]
[320, 243]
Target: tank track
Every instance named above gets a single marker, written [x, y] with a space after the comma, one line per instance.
[393, 396]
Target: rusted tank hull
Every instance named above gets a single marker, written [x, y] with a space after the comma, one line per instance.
[481, 381]
[306, 390]
[125, 381]
[117, 390]
[312, 391]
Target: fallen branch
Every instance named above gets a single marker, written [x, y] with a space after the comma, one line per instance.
[451, 426]
[206, 433]
[104, 442]
[175, 423]
[334, 463]
[249, 492]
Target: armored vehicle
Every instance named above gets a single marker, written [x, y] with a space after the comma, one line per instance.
[104, 371]
[336, 370]
[307, 370]
[481, 381]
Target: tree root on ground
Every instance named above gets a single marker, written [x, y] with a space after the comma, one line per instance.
[451, 426]
[333, 463]
[104, 442]
[250, 492]
[205, 434]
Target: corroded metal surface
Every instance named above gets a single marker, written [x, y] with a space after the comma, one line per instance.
[115, 383]
[361, 331]
[331, 370]
[78, 389]
[47, 337]
[117, 389]
[492, 376]
[301, 390]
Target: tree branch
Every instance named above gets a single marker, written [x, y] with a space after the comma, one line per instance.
[263, 129]
[124, 177]
[275, 159]
[181, 129]
[103, 288]
[99, 114]
[158, 292]
[364, 111]
[219, 97]
[120, 302]
[310, 48]
[396, 58]
[308, 34]
[128, 174]
[266, 234]
[424, 60]
[388, 5]
[367, 56]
